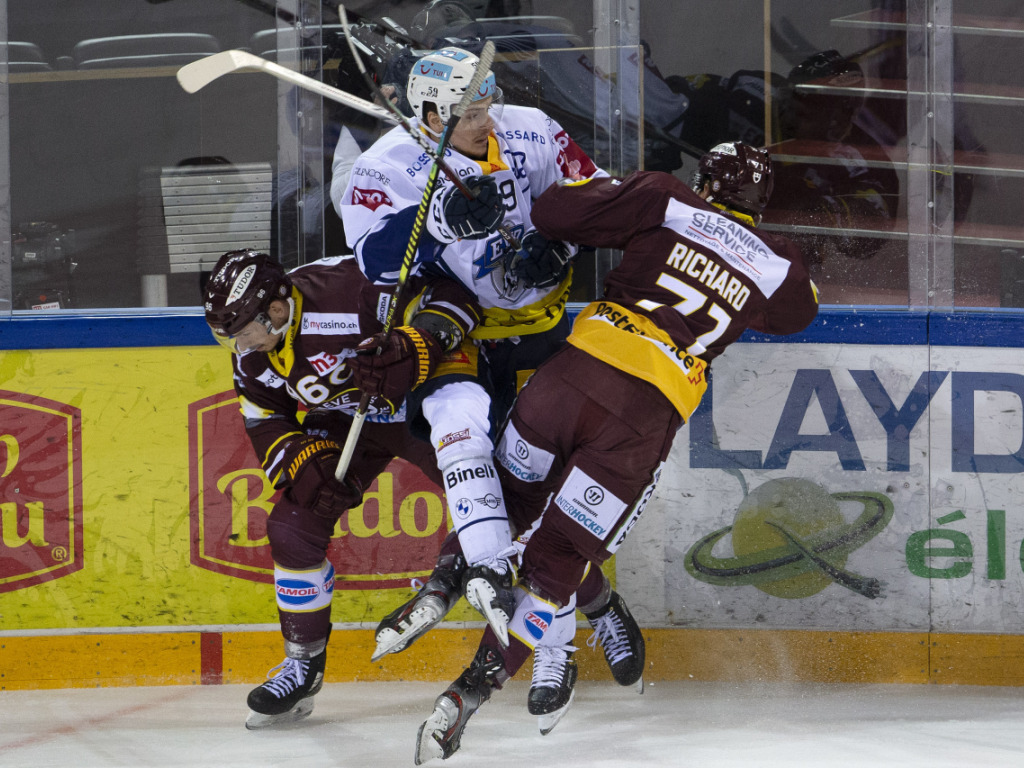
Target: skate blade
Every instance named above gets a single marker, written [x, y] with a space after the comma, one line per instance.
[480, 596]
[638, 686]
[427, 746]
[300, 711]
[389, 640]
[547, 722]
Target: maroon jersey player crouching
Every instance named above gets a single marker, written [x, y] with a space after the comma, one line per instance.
[591, 430]
[295, 336]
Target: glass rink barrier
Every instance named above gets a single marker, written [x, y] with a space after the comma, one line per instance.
[831, 565]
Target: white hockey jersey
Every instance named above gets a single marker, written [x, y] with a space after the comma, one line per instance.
[528, 152]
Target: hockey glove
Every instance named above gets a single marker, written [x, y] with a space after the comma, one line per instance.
[407, 356]
[545, 262]
[309, 464]
[457, 217]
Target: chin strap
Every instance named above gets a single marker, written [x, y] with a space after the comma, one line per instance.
[291, 317]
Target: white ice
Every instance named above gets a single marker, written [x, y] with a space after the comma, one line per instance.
[703, 725]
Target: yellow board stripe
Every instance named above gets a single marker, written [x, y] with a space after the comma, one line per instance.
[177, 658]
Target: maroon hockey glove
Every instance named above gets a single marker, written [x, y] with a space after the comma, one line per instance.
[309, 467]
[407, 356]
[543, 263]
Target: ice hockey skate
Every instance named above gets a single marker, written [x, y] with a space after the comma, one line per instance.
[490, 588]
[287, 696]
[554, 685]
[400, 628]
[440, 736]
[621, 640]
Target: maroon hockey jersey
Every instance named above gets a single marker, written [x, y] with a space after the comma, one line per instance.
[691, 280]
[336, 308]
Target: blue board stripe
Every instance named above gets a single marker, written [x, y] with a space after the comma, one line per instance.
[834, 325]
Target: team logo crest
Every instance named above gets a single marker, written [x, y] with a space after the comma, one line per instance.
[41, 520]
[370, 198]
[231, 498]
[537, 623]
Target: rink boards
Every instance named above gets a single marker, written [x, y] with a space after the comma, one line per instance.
[843, 506]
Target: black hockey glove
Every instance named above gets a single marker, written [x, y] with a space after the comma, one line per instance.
[466, 218]
[544, 262]
[309, 464]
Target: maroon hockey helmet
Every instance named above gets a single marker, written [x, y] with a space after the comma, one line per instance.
[240, 289]
[740, 176]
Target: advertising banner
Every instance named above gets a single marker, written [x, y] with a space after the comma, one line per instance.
[819, 486]
[130, 497]
[854, 487]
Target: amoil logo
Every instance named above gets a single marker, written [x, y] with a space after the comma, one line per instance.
[392, 537]
[40, 490]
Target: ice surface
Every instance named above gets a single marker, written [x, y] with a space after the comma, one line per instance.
[703, 725]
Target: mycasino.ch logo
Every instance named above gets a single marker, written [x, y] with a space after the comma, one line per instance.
[790, 540]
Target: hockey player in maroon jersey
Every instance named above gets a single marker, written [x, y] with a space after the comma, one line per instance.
[591, 430]
[294, 336]
[520, 152]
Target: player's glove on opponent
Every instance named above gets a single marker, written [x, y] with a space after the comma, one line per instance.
[543, 263]
[309, 464]
[406, 358]
[453, 216]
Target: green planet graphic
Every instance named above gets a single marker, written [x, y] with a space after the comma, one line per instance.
[790, 540]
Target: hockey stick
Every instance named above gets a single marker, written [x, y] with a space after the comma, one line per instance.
[482, 70]
[436, 155]
[199, 74]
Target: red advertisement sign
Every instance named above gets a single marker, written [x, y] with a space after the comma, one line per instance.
[40, 490]
[394, 536]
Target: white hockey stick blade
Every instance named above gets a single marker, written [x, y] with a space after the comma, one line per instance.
[198, 74]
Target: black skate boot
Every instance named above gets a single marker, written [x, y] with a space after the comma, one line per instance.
[621, 640]
[440, 736]
[553, 686]
[287, 696]
[490, 588]
[400, 628]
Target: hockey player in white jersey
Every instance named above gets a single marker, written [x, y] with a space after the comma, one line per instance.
[507, 155]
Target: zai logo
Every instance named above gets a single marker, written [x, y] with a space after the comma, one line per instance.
[537, 623]
[370, 198]
[297, 591]
[593, 495]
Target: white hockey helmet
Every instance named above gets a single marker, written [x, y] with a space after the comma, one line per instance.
[440, 78]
